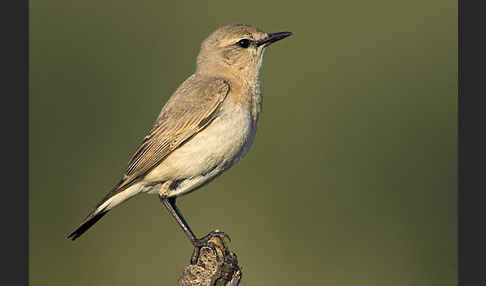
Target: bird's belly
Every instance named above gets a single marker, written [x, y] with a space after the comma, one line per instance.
[212, 150]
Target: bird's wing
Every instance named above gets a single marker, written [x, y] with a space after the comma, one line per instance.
[191, 108]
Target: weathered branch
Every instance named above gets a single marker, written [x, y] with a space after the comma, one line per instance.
[211, 269]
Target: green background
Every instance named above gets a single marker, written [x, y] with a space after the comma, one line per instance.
[352, 178]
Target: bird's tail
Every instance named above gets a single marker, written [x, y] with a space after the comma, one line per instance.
[92, 218]
[111, 200]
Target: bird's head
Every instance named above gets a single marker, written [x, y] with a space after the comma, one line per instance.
[237, 49]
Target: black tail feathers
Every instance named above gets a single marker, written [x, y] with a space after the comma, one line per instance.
[88, 222]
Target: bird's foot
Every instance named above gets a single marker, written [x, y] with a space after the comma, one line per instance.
[205, 242]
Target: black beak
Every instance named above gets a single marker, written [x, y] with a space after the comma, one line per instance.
[273, 37]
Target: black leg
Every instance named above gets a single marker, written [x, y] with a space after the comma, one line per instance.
[170, 204]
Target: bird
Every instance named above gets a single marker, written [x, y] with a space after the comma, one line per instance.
[206, 126]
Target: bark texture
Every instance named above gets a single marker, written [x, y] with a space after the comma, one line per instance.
[212, 269]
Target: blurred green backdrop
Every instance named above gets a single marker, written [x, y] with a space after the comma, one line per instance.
[352, 177]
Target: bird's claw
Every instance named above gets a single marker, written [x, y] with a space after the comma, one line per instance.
[205, 242]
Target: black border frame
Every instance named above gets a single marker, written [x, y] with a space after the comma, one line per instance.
[471, 153]
[14, 210]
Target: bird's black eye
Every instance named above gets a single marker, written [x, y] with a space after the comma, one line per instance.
[244, 43]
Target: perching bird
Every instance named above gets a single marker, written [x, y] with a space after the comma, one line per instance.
[206, 126]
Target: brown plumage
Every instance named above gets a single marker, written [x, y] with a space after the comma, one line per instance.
[206, 126]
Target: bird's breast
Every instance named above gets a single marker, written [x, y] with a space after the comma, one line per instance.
[222, 143]
[236, 131]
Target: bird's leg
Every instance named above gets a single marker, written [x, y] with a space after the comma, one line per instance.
[169, 203]
[198, 243]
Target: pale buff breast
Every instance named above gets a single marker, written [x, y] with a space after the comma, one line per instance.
[212, 150]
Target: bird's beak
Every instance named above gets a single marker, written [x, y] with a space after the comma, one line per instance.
[273, 37]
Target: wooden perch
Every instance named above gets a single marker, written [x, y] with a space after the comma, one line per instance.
[212, 270]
